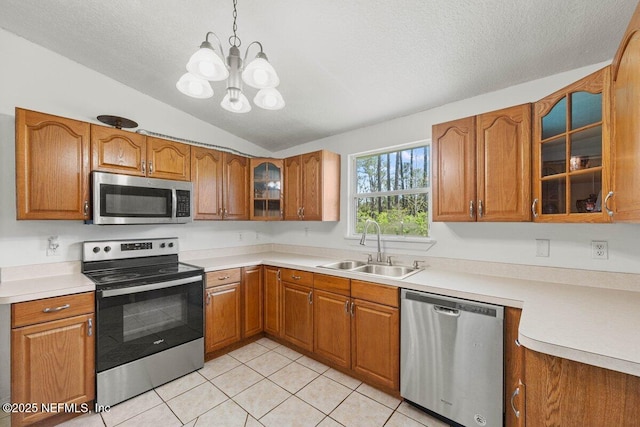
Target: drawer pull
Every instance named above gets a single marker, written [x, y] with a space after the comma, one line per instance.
[223, 292]
[294, 277]
[53, 310]
[224, 277]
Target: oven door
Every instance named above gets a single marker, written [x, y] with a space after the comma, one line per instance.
[141, 320]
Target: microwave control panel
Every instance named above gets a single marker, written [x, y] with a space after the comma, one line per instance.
[183, 206]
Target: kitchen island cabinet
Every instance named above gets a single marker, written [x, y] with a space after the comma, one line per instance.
[52, 167]
[52, 354]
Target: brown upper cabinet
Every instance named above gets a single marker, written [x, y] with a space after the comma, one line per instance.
[625, 206]
[52, 167]
[118, 151]
[266, 192]
[312, 187]
[481, 167]
[571, 152]
[220, 184]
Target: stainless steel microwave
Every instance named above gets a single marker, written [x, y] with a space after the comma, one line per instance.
[124, 199]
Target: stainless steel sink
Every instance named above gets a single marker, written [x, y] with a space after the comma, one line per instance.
[395, 271]
[344, 265]
[386, 270]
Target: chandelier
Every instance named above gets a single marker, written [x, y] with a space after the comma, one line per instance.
[207, 65]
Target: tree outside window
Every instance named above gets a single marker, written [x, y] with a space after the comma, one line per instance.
[392, 188]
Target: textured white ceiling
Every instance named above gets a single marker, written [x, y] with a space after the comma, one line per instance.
[342, 64]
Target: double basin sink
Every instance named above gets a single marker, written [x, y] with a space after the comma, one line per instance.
[391, 271]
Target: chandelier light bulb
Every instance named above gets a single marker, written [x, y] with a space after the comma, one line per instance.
[240, 106]
[206, 64]
[194, 87]
[269, 99]
[260, 74]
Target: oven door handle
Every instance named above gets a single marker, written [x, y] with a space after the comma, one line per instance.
[150, 287]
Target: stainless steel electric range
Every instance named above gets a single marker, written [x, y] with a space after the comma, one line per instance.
[149, 315]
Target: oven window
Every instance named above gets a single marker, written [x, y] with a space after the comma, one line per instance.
[127, 201]
[139, 324]
[152, 316]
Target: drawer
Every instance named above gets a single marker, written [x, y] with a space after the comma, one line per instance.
[223, 277]
[374, 292]
[44, 310]
[338, 285]
[296, 276]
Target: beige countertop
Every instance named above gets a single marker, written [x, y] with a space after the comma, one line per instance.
[586, 324]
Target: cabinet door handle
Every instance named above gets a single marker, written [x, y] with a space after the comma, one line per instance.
[606, 203]
[144, 167]
[53, 310]
[352, 307]
[513, 396]
[471, 208]
[346, 307]
[534, 208]
[150, 168]
[208, 298]
[224, 277]
[90, 329]
[310, 297]
[517, 341]
[302, 212]
[86, 208]
[278, 274]
[480, 208]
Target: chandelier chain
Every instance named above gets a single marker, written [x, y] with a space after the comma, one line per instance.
[236, 40]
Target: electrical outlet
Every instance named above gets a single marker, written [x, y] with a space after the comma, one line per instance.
[599, 249]
[542, 247]
[53, 246]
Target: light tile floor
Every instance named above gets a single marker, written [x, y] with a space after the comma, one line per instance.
[261, 384]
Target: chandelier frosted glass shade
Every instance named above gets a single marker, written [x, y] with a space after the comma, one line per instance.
[240, 106]
[269, 99]
[194, 87]
[260, 74]
[206, 64]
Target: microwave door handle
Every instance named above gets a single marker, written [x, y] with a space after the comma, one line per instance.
[151, 287]
[174, 204]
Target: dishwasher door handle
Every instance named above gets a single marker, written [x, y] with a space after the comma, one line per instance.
[446, 311]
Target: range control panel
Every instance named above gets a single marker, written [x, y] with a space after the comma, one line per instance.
[101, 250]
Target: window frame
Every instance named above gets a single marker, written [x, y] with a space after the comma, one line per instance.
[352, 195]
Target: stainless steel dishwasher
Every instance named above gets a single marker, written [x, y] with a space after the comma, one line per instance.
[451, 359]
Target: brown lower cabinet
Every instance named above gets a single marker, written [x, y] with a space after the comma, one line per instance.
[272, 300]
[52, 354]
[297, 309]
[233, 306]
[332, 327]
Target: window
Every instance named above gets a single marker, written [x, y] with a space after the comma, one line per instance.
[392, 188]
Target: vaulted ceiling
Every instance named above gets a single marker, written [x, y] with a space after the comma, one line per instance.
[342, 64]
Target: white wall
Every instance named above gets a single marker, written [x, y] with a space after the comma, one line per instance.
[35, 78]
[501, 242]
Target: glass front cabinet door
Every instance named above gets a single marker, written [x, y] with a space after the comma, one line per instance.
[571, 152]
[266, 191]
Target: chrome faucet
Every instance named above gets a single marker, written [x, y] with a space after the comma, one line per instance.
[364, 237]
